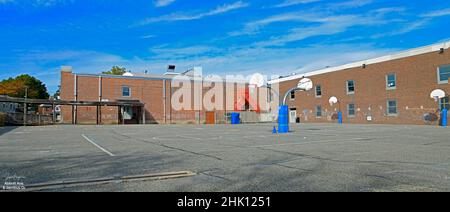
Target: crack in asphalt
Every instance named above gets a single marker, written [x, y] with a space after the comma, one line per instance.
[170, 147]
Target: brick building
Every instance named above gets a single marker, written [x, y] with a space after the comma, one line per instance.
[393, 89]
[154, 91]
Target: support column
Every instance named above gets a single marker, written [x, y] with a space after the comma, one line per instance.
[143, 114]
[25, 114]
[97, 116]
[54, 114]
[100, 114]
[119, 115]
[73, 114]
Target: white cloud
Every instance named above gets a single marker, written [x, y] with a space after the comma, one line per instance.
[319, 24]
[288, 3]
[404, 29]
[147, 36]
[6, 1]
[238, 60]
[163, 3]
[437, 13]
[302, 16]
[188, 17]
[350, 4]
[38, 3]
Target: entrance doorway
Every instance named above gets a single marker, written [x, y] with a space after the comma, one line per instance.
[293, 116]
[210, 118]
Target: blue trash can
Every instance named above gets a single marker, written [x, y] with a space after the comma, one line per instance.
[283, 119]
[235, 118]
[340, 117]
[444, 118]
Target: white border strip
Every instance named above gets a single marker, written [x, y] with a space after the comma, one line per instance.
[98, 146]
[400, 55]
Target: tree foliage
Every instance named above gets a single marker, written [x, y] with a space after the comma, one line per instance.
[116, 70]
[15, 87]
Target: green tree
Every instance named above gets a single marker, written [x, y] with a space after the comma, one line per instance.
[15, 87]
[116, 70]
[57, 94]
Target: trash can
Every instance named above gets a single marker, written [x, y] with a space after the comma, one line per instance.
[235, 118]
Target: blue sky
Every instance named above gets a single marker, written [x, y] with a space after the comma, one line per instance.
[225, 37]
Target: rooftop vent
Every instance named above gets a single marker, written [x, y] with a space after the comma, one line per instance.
[171, 68]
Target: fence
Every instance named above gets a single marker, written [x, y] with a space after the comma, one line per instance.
[2, 119]
[220, 117]
[32, 119]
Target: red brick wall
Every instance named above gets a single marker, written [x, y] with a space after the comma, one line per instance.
[148, 91]
[416, 78]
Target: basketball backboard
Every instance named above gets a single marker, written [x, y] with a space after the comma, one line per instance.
[333, 100]
[437, 94]
[257, 80]
[305, 84]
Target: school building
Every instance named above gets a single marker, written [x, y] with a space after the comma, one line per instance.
[142, 98]
[394, 89]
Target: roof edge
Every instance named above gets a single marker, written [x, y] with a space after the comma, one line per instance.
[396, 56]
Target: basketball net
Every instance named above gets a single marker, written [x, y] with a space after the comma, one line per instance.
[436, 98]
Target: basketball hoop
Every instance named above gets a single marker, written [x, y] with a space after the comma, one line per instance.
[333, 100]
[437, 94]
[436, 98]
[257, 80]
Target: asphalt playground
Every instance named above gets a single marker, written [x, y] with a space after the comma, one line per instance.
[245, 158]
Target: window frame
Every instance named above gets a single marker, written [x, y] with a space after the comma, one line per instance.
[388, 107]
[317, 111]
[292, 95]
[348, 87]
[441, 81]
[318, 96]
[446, 104]
[354, 110]
[129, 90]
[387, 81]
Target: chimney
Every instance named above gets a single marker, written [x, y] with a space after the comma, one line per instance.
[67, 69]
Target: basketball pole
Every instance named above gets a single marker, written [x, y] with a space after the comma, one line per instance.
[283, 112]
[444, 117]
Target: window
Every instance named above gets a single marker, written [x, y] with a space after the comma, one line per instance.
[292, 94]
[392, 107]
[351, 110]
[350, 87]
[443, 74]
[126, 91]
[444, 103]
[318, 91]
[318, 111]
[391, 81]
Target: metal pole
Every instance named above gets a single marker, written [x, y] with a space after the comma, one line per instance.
[283, 116]
[25, 107]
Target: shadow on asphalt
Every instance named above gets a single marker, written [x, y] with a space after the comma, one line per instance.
[7, 129]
